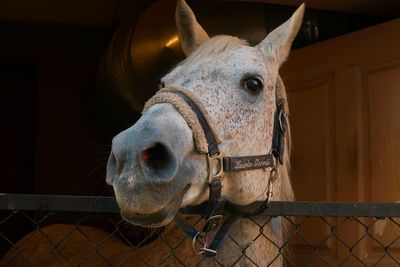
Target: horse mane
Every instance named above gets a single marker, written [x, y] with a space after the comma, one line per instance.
[286, 193]
[286, 185]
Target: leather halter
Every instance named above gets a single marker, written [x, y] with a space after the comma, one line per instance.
[212, 211]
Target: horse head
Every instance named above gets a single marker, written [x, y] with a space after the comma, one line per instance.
[159, 165]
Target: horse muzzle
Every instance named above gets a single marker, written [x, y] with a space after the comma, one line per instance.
[146, 169]
[157, 219]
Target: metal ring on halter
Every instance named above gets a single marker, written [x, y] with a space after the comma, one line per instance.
[207, 250]
[272, 176]
[195, 238]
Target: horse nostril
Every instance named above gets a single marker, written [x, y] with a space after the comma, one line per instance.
[156, 157]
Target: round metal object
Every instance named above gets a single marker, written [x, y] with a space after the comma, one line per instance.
[139, 54]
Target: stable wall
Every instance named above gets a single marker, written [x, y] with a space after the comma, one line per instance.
[344, 96]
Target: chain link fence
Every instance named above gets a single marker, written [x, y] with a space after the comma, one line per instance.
[88, 231]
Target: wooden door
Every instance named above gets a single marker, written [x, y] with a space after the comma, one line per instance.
[344, 96]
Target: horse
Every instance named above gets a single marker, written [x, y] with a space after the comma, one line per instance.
[225, 92]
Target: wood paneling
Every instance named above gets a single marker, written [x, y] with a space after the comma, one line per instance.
[310, 108]
[383, 88]
[345, 103]
[382, 94]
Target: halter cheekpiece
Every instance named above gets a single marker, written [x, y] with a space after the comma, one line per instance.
[214, 210]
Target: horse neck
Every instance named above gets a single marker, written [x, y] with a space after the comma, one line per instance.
[244, 238]
[247, 238]
[260, 236]
[245, 234]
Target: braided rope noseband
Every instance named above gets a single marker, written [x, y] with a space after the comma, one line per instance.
[166, 95]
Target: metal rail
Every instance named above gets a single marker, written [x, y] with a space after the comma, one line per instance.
[97, 204]
[58, 203]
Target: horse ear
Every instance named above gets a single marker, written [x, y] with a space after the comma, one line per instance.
[191, 34]
[278, 42]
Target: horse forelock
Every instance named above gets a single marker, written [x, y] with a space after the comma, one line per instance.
[214, 47]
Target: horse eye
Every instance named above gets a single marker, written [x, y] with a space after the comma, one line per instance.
[253, 85]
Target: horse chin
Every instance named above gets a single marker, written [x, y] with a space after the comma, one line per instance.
[152, 221]
[157, 219]
[197, 194]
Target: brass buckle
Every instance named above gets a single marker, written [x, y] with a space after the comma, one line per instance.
[219, 157]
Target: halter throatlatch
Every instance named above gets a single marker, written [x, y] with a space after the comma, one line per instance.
[206, 141]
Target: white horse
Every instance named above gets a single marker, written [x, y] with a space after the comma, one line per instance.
[159, 165]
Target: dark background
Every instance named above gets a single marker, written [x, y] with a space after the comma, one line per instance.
[58, 115]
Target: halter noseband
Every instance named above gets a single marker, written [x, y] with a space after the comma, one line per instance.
[213, 210]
